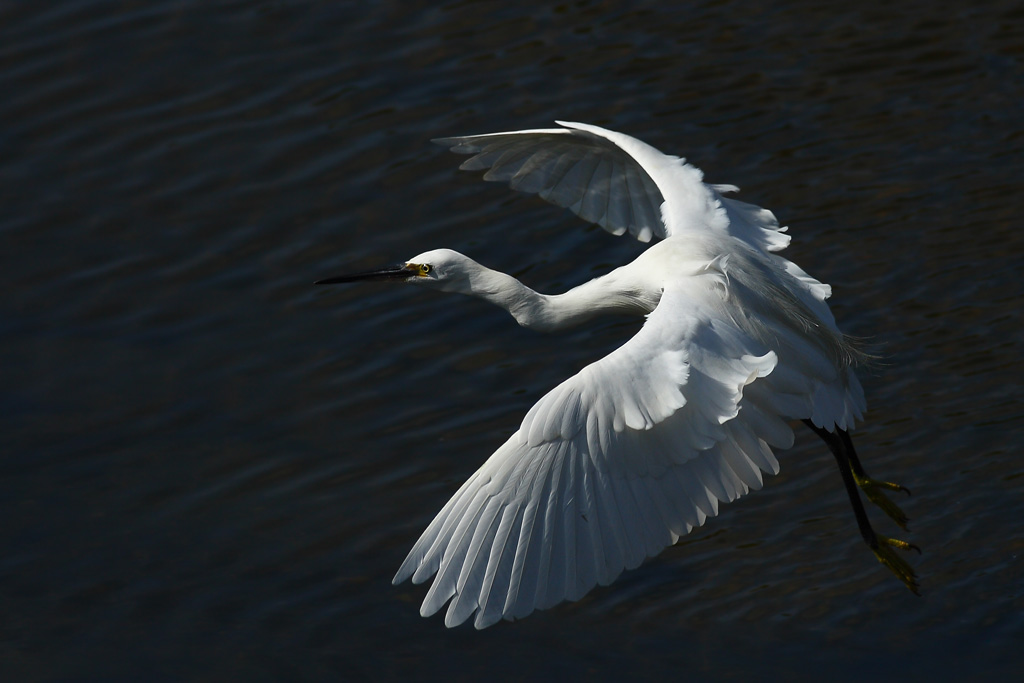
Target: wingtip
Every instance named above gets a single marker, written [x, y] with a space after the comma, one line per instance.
[404, 572]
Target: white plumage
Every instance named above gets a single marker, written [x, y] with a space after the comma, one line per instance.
[640, 447]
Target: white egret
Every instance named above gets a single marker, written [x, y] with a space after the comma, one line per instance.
[619, 461]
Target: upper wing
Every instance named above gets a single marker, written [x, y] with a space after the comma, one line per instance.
[615, 181]
[610, 467]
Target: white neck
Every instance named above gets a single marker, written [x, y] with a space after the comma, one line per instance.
[545, 312]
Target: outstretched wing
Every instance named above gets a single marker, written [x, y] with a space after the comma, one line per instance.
[616, 181]
[611, 466]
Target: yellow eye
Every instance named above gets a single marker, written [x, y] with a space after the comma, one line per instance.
[425, 268]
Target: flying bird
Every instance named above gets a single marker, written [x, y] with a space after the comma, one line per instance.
[640, 447]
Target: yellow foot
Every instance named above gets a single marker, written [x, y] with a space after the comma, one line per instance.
[896, 564]
[872, 488]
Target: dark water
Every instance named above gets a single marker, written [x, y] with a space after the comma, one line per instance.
[211, 469]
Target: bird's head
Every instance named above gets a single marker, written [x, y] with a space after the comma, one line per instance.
[444, 269]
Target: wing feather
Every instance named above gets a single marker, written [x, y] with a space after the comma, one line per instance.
[625, 185]
[594, 205]
[747, 472]
[608, 468]
[615, 181]
[670, 517]
[495, 587]
[531, 535]
[541, 567]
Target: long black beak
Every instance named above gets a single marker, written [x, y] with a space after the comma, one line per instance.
[400, 272]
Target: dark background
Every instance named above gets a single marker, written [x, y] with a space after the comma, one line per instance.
[212, 469]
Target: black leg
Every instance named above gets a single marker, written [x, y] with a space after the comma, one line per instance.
[854, 478]
[873, 488]
[844, 435]
[838, 446]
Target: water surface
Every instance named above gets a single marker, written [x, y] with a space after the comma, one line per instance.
[212, 469]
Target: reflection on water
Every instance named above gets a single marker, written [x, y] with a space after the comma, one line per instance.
[212, 466]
